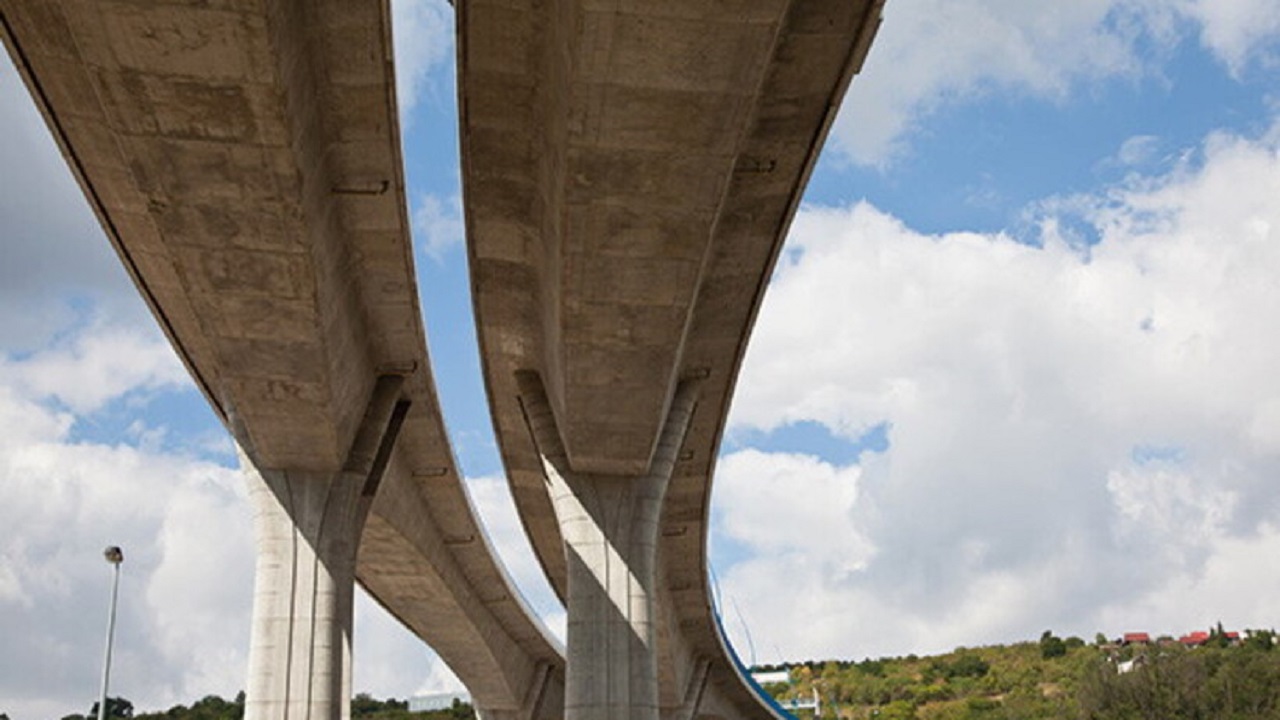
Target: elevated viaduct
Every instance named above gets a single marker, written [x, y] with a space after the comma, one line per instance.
[244, 160]
[629, 169]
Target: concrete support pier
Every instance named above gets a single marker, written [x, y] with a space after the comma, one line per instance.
[610, 526]
[308, 525]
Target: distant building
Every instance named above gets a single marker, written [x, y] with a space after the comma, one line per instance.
[1131, 665]
[437, 701]
[769, 678]
[1135, 638]
[1194, 639]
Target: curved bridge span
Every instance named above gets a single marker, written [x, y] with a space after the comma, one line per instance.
[629, 169]
[244, 160]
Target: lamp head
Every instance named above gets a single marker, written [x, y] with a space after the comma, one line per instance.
[114, 555]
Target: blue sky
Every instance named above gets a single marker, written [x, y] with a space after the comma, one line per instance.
[1015, 370]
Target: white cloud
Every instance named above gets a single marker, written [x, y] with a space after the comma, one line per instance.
[929, 53]
[437, 225]
[1075, 432]
[933, 53]
[64, 502]
[782, 502]
[199, 592]
[497, 511]
[387, 659]
[423, 31]
[1138, 150]
[187, 580]
[184, 524]
[1237, 31]
[87, 370]
[1234, 585]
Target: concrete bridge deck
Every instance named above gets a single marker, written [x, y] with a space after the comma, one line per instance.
[244, 160]
[630, 170]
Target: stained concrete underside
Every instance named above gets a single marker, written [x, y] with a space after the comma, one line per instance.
[630, 170]
[244, 160]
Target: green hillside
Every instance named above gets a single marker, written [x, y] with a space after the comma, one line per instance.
[1232, 679]
[1222, 677]
[212, 707]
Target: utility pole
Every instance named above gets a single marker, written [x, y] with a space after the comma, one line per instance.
[115, 556]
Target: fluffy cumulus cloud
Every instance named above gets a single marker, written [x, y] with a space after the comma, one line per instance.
[1083, 429]
[187, 581]
[184, 528]
[389, 661]
[1237, 30]
[498, 515]
[437, 225]
[423, 35]
[85, 370]
[931, 53]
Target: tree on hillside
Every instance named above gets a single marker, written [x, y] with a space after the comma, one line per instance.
[117, 707]
[896, 710]
[1263, 640]
[1051, 646]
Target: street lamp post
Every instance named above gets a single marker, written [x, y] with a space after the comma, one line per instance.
[115, 556]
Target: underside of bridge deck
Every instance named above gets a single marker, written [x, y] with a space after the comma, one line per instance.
[630, 170]
[244, 160]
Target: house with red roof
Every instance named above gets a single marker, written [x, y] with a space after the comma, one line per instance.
[1194, 639]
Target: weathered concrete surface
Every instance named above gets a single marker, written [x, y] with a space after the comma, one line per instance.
[610, 526]
[630, 170]
[244, 160]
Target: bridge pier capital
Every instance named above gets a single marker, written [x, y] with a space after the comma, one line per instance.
[308, 526]
[610, 526]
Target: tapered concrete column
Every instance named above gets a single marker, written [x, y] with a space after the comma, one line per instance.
[610, 526]
[308, 527]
